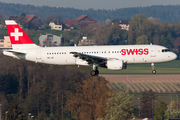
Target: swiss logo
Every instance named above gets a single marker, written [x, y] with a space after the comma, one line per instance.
[16, 34]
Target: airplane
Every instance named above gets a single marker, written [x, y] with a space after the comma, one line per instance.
[113, 57]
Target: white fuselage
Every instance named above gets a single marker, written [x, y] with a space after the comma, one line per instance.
[130, 54]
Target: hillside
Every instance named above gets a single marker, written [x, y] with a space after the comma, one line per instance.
[165, 13]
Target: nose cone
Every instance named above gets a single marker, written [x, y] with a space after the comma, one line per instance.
[173, 56]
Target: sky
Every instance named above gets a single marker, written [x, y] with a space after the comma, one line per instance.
[95, 4]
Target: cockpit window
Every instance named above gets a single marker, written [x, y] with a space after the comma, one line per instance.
[165, 50]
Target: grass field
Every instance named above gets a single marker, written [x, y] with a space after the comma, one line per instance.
[172, 67]
[165, 83]
[166, 86]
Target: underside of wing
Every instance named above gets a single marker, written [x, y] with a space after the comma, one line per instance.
[90, 58]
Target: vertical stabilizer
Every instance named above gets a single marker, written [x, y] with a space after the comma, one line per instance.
[18, 37]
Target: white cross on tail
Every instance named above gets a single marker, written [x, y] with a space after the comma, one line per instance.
[16, 34]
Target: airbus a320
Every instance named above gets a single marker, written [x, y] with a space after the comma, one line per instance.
[113, 57]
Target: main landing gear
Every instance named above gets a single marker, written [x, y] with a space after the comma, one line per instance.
[95, 70]
[153, 68]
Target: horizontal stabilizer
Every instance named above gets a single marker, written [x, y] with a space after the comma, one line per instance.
[16, 51]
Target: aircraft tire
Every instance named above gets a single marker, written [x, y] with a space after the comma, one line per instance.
[97, 72]
[93, 72]
[154, 71]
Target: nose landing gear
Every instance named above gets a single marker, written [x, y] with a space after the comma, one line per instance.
[153, 68]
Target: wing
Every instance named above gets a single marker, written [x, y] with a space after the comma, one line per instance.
[90, 58]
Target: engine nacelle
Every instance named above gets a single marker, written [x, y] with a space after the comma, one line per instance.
[114, 64]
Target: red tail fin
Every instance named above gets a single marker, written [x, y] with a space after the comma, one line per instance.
[16, 34]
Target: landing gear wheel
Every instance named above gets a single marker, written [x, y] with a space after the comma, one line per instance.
[97, 72]
[154, 71]
[94, 72]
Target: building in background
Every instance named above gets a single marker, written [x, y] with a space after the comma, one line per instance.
[57, 25]
[5, 42]
[67, 25]
[124, 24]
[85, 42]
[13, 18]
[50, 40]
[32, 22]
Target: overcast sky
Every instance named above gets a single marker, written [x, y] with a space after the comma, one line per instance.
[96, 4]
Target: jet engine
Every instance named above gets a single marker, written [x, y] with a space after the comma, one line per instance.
[115, 64]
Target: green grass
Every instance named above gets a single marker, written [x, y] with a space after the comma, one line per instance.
[172, 67]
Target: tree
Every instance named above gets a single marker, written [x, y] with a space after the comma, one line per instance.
[135, 29]
[50, 18]
[172, 111]
[142, 40]
[89, 101]
[172, 105]
[20, 19]
[14, 113]
[2, 18]
[159, 110]
[108, 22]
[171, 114]
[147, 103]
[115, 34]
[118, 106]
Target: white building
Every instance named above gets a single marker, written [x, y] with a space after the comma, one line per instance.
[124, 24]
[50, 40]
[5, 43]
[56, 25]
